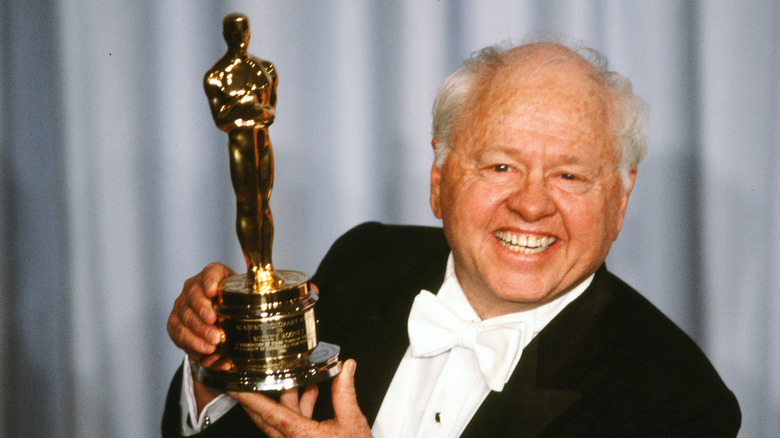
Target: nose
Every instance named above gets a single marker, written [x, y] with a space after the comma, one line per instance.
[531, 199]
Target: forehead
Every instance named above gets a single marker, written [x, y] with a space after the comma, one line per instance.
[555, 94]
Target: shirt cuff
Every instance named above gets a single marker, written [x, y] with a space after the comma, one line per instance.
[191, 422]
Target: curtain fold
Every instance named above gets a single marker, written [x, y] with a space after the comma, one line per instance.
[738, 112]
[115, 183]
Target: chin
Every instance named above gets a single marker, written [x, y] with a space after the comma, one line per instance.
[523, 298]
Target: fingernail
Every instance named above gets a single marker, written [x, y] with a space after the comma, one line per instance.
[204, 313]
[353, 367]
[208, 283]
[213, 335]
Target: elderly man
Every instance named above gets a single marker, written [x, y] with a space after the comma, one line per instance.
[506, 323]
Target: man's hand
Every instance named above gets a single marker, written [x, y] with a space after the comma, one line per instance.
[291, 417]
[191, 323]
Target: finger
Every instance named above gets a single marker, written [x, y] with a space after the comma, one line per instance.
[198, 304]
[314, 287]
[186, 328]
[289, 398]
[269, 431]
[210, 360]
[345, 404]
[307, 400]
[264, 426]
[212, 275]
[191, 322]
[223, 363]
[184, 338]
[274, 415]
[202, 288]
[194, 307]
[200, 320]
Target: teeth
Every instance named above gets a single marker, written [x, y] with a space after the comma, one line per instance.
[523, 243]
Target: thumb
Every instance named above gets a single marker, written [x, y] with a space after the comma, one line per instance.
[345, 404]
[212, 275]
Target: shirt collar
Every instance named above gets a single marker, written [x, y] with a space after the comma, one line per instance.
[455, 300]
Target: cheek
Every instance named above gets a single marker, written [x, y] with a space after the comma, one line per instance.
[611, 212]
[473, 203]
[586, 220]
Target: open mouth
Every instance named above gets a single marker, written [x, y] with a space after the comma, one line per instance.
[524, 243]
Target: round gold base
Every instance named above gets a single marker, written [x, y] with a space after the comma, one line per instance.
[322, 364]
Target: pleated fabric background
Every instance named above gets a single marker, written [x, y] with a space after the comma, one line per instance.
[115, 184]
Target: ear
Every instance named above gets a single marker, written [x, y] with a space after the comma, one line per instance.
[436, 191]
[435, 185]
[624, 198]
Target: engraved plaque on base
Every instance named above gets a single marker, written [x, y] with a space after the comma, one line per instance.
[270, 339]
[266, 316]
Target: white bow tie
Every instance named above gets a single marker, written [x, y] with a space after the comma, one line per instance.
[434, 329]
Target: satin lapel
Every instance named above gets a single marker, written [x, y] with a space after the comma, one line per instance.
[380, 341]
[544, 385]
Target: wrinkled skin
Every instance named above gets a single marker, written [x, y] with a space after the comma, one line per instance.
[535, 160]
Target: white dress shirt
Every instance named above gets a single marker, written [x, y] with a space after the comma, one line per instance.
[191, 422]
[428, 397]
[437, 396]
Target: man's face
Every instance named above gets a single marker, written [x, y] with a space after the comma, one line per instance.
[530, 196]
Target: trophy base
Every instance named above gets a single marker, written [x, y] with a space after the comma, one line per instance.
[322, 364]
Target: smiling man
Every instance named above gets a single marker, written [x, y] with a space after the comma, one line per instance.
[531, 195]
[506, 322]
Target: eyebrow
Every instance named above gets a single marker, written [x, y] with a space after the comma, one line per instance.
[570, 159]
[495, 151]
[511, 151]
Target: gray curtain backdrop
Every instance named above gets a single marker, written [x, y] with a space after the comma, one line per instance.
[115, 184]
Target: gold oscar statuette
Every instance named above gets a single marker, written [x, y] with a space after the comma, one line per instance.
[266, 315]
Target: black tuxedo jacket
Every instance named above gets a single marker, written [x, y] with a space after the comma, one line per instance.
[610, 364]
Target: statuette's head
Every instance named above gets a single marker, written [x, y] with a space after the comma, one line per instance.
[235, 29]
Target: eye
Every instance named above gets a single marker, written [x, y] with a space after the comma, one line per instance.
[571, 182]
[498, 173]
[569, 176]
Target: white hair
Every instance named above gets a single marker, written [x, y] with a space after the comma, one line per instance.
[630, 109]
